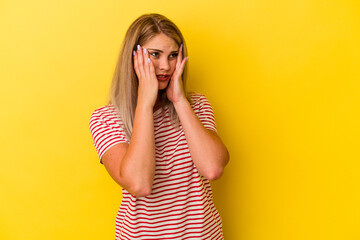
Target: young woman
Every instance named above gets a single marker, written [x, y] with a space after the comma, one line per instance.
[158, 142]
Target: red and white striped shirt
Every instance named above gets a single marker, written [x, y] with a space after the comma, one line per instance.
[180, 205]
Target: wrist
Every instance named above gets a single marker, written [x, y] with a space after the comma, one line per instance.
[183, 102]
[144, 107]
[147, 101]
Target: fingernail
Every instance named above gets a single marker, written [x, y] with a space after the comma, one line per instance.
[134, 52]
[187, 58]
[138, 47]
[149, 60]
[145, 50]
[181, 47]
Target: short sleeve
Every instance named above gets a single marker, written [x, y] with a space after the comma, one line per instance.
[106, 131]
[206, 113]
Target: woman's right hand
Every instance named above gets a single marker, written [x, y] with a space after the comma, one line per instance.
[148, 83]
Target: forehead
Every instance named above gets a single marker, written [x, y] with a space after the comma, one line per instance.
[161, 42]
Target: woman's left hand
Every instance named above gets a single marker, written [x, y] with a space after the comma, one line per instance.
[175, 90]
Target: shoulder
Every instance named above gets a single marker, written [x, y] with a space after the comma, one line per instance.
[198, 99]
[105, 110]
[107, 113]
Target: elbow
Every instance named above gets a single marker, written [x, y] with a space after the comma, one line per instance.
[217, 171]
[214, 174]
[140, 190]
[137, 187]
[142, 193]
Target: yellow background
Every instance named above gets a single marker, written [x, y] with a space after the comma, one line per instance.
[283, 78]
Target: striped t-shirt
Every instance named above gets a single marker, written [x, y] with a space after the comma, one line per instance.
[180, 205]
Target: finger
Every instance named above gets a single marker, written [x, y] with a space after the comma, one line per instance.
[181, 68]
[136, 65]
[146, 63]
[179, 57]
[140, 59]
[152, 69]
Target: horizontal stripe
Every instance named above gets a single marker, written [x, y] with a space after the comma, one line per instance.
[180, 205]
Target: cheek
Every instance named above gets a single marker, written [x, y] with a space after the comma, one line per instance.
[155, 63]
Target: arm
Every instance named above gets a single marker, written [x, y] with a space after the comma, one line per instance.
[133, 165]
[206, 148]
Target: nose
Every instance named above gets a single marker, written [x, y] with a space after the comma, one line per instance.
[164, 64]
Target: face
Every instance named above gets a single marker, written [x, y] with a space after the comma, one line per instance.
[163, 53]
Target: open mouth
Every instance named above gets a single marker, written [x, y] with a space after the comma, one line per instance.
[163, 77]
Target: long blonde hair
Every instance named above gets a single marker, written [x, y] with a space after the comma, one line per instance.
[124, 86]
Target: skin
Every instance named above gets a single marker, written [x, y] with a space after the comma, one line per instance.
[165, 59]
[132, 165]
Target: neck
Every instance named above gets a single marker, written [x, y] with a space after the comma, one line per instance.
[158, 101]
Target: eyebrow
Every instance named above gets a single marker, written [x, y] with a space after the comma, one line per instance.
[158, 50]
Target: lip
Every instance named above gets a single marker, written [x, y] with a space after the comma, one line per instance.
[163, 77]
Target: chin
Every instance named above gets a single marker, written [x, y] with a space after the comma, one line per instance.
[163, 85]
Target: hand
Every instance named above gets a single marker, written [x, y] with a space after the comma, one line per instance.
[175, 90]
[148, 83]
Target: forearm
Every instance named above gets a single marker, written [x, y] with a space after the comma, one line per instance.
[138, 166]
[206, 148]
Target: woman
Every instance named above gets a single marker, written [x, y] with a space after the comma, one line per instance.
[158, 142]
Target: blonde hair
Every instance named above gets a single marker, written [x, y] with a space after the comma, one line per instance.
[124, 86]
